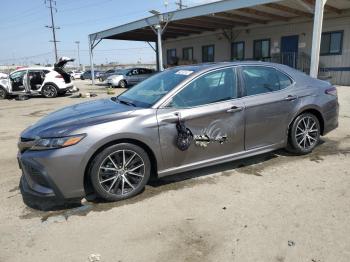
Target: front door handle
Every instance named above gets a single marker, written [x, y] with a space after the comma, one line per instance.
[234, 109]
[290, 98]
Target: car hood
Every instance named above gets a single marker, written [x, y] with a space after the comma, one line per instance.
[68, 119]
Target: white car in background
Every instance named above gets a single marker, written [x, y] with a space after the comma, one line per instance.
[74, 74]
[47, 81]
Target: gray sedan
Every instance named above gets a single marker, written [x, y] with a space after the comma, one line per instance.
[127, 77]
[181, 119]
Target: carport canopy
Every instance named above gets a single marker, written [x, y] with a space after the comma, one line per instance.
[221, 15]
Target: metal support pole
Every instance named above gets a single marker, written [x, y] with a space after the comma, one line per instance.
[316, 37]
[157, 54]
[159, 46]
[91, 62]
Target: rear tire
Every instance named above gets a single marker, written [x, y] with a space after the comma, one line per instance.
[49, 91]
[122, 84]
[304, 134]
[120, 171]
[3, 93]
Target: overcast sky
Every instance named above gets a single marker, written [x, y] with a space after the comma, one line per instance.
[24, 38]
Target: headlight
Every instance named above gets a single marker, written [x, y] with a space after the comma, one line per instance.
[57, 142]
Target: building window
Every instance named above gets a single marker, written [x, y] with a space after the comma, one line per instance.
[261, 49]
[208, 53]
[331, 43]
[187, 53]
[237, 50]
[170, 56]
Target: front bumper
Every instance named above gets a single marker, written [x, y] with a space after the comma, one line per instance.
[54, 174]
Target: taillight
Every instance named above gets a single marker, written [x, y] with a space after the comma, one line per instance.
[331, 91]
[59, 76]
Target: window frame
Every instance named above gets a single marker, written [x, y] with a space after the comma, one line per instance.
[243, 81]
[261, 40]
[235, 70]
[183, 53]
[206, 46]
[167, 54]
[235, 43]
[328, 53]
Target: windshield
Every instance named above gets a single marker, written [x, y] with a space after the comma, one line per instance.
[149, 91]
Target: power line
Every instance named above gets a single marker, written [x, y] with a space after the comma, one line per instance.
[53, 26]
[180, 5]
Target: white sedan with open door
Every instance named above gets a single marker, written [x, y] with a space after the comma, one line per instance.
[49, 82]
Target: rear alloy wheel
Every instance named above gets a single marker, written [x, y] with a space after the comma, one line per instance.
[304, 134]
[49, 91]
[3, 93]
[122, 84]
[120, 171]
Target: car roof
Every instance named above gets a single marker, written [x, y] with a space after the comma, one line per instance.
[33, 68]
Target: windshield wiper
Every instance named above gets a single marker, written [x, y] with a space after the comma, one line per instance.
[124, 102]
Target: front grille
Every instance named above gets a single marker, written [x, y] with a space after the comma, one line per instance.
[24, 139]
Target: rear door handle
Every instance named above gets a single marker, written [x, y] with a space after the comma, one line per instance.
[234, 109]
[290, 98]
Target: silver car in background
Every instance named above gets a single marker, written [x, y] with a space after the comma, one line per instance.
[127, 77]
[181, 119]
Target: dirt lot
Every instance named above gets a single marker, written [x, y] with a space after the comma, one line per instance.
[272, 207]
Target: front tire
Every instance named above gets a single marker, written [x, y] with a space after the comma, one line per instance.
[122, 84]
[120, 171]
[304, 134]
[49, 91]
[3, 93]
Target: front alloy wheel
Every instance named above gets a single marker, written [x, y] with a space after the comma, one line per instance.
[305, 133]
[120, 171]
[49, 91]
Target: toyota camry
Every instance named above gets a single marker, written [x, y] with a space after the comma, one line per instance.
[178, 120]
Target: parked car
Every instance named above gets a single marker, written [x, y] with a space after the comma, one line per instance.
[131, 76]
[46, 81]
[181, 119]
[108, 73]
[87, 74]
[75, 74]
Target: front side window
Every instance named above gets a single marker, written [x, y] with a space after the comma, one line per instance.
[237, 51]
[208, 53]
[213, 87]
[17, 75]
[187, 53]
[261, 49]
[260, 80]
[331, 43]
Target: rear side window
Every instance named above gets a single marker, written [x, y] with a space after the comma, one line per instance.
[260, 80]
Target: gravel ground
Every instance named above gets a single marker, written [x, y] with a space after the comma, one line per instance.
[272, 207]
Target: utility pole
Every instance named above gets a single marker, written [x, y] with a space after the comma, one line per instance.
[53, 26]
[180, 5]
[78, 42]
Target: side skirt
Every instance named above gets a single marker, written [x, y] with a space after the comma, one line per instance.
[220, 160]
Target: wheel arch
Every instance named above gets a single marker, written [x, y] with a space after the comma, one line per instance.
[313, 110]
[154, 166]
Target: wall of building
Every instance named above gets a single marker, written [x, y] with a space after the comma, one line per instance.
[338, 66]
